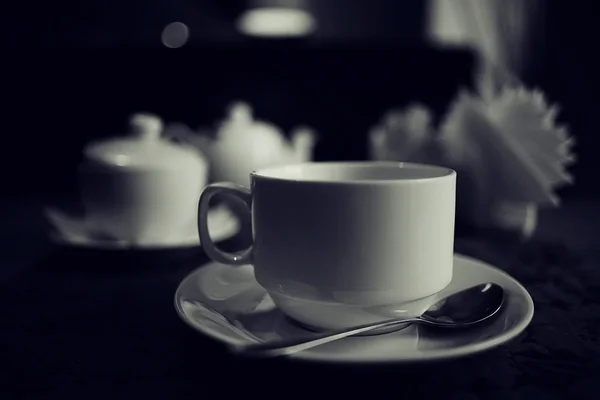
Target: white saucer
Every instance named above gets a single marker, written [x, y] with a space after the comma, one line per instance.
[234, 292]
[74, 231]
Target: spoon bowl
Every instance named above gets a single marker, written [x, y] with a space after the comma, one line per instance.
[465, 308]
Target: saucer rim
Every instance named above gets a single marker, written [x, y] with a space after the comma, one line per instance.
[463, 351]
[57, 237]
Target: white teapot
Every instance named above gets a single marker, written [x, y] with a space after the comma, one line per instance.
[141, 187]
[243, 144]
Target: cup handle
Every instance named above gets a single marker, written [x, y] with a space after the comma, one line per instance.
[244, 194]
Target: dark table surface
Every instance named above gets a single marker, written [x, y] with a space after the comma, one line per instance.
[89, 324]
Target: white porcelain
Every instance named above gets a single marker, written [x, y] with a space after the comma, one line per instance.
[77, 231]
[376, 234]
[233, 290]
[243, 144]
[340, 315]
[141, 187]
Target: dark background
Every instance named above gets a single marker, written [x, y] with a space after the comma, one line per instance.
[74, 71]
[80, 323]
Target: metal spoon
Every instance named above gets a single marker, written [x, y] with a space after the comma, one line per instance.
[465, 308]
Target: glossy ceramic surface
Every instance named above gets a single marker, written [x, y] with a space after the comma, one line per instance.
[244, 144]
[355, 233]
[234, 292]
[135, 185]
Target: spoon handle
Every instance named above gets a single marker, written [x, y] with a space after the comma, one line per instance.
[294, 345]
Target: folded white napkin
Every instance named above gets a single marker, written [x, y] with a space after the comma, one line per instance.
[514, 138]
[405, 135]
[509, 152]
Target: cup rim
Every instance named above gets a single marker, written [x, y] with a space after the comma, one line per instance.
[269, 173]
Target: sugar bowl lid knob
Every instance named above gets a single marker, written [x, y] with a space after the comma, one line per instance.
[146, 126]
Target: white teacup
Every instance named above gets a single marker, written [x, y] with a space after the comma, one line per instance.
[342, 243]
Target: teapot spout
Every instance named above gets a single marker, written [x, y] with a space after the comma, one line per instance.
[303, 140]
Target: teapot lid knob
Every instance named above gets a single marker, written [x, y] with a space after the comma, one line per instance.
[240, 112]
[146, 126]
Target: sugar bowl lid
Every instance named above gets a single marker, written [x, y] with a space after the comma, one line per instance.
[142, 148]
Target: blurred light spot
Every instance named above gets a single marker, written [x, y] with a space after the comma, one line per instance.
[175, 35]
[277, 22]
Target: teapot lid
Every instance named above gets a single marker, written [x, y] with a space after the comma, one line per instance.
[143, 148]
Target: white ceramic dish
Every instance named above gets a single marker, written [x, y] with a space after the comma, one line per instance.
[141, 185]
[73, 231]
[235, 292]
